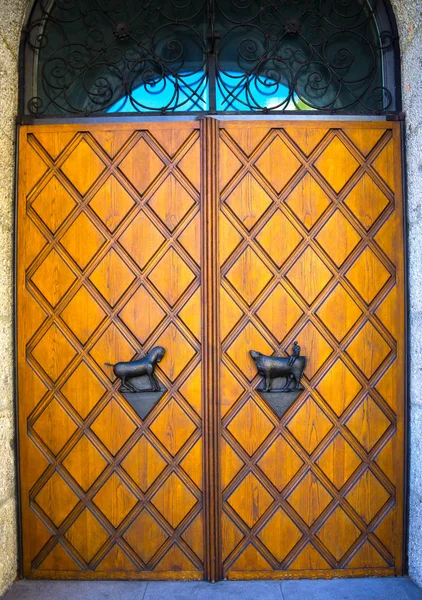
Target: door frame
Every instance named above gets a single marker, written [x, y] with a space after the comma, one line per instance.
[212, 559]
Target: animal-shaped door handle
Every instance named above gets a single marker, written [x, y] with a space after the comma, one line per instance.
[139, 383]
[281, 378]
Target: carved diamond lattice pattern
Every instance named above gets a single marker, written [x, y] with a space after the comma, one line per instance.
[292, 483]
[133, 270]
[302, 271]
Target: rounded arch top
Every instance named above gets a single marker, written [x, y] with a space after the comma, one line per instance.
[84, 58]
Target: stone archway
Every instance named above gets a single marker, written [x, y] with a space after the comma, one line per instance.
[12, 18]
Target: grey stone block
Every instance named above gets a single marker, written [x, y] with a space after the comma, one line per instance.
[414, 176]
[411, 83]
[8, 544]
[8, 88]
[7, 462]
[11, 23]
[414, 549]
[7, 182]
[408, 15]
[227, 590]
[415, 492]
[6, 374]
[337, 589]
[76, 590]
[400, 588]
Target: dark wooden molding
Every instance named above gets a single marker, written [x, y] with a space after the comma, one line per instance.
[211, 346]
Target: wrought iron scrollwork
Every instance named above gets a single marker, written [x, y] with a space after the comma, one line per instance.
[302, 54]
[86, 57]
[91, 55]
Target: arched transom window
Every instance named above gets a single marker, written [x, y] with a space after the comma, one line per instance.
[96, 57]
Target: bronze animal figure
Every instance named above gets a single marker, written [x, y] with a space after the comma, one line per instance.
[137, 368]
[271, 367]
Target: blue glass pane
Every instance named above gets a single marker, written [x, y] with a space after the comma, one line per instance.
[235, 92]
[241, 92]
[181, 93]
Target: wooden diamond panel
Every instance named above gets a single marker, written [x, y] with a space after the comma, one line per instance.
[126, 250]
[248, 201]
[82, 240]
[309, 498]
[317, 258]
[53, 204]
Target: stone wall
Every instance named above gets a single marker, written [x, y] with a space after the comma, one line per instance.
[12, 14]
[11, 18]
[409, 19]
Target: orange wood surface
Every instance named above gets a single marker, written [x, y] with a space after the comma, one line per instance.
[211, 239]
[109, 267]
[311, 249]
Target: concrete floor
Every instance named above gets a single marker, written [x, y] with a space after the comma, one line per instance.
[339, 589]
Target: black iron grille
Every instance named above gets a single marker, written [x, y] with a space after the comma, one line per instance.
[96, 57]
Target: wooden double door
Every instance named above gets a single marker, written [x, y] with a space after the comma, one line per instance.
[211, 238]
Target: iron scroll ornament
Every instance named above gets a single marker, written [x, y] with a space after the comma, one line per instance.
[139, 383]
[281, 378]
[87, 58]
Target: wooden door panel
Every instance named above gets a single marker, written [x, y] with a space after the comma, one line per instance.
[110, 250]
[311, 249]
[108, 267]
